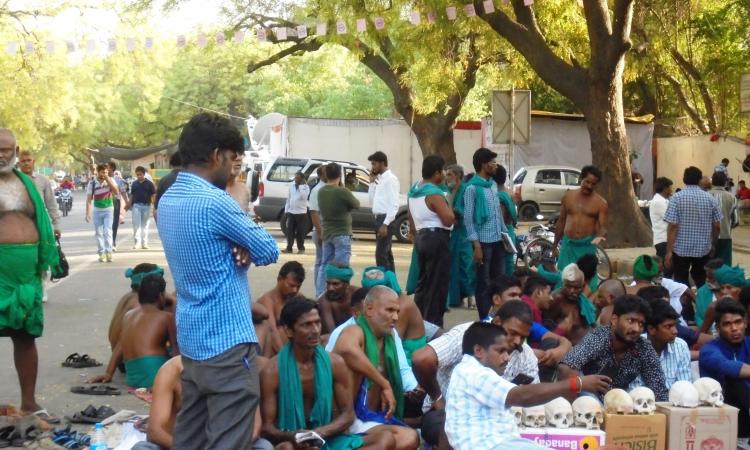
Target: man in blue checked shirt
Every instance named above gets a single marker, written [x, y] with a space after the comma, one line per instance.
[209, 243]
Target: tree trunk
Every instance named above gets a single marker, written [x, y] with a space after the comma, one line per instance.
[435, 136]
[627, 226]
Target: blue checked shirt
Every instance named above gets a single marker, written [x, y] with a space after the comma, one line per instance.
[675, 363]
[492, 230]
[476, 417]
[694, 211]
[198, 225]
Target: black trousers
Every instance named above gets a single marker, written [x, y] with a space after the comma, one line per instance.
[434, 258]
[296, 228]
[493, 265]
[661, 251]
[383, 252]
[115, 221]
[737, 394]
[684, 267]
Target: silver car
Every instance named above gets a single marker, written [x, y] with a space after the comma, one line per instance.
[539, 189]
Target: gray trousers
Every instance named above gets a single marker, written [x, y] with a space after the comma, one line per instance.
[259, 444]
[219, 398]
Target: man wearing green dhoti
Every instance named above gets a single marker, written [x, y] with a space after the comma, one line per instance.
[303, 385]
[583, 220]
[27, 249]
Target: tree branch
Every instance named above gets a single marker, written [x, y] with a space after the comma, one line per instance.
[304, 46]
[682, 99]
[623, 19]
[690, 70]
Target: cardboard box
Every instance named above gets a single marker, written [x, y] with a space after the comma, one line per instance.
[648, 432]
[700, 428]
[565, 438]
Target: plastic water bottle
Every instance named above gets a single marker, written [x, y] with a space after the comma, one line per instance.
[97, 439]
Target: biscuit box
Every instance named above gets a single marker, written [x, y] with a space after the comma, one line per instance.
[637, 432]
[699, 428]
[565, 438]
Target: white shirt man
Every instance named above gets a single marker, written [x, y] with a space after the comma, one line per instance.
[384, 196]
[383, 193]
[296, 201]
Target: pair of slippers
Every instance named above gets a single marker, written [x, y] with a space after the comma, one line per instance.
[77, 361]
[95, 389]
[15, 436]
[92, 415]
[70, 439]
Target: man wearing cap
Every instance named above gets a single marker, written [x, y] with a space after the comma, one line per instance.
[335, 301]
[730, 281]
[383, 192]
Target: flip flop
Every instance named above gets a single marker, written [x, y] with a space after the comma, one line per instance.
[85, 361]
[5, 436]
[70, 360]
[95, 390]
[42, 414]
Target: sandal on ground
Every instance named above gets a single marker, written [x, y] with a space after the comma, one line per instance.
[6, 434]
[44, 415]
[99, 389]
[73, 357]
[77, 361]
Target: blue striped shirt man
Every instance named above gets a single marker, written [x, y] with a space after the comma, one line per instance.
[492, 230]
[199, 224]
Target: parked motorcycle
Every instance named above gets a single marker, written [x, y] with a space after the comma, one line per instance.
[64, 199]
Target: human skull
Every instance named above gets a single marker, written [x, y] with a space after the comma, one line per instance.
[517, 414]
[534, 417]
[617, 401]
[559, 413]
[684, 394]
[644, 401]
[587, 412]
[709, 391]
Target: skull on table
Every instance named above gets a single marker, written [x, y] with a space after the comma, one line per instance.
[709, 391]
[559, 413]
[534, 417]
[617, 401]
[517, 414]
[644, 401]
[587, 412]
[684, 394]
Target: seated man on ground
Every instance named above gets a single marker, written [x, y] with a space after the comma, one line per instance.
[571, 314]
[130, 299]
[407, 376]
[588, 264]
[618, 350]
[369, 350]
[673, 352]
[478, 402]
[694, 339]
[646, 270]
[334, 302]
[288, 283]
[730, 281]
[410, 326]
[146, 332]
[304, 388]
[604, 299]
[727, 359]
[167, 403]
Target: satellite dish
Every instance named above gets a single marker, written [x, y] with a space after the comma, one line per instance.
[265, 125]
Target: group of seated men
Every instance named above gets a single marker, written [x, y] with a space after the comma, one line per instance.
[360, 367]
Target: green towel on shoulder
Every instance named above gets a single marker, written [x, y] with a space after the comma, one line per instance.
[393, 373]
[426, 189]
[481, 207]
[291, 405]
[703, 300]
[587, 309]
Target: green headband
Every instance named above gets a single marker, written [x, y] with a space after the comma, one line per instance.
[733, 276]
[641, 271]
[136, 278]
[378, 276]
[344, 274]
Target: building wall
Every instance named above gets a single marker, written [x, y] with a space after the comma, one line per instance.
[676, 153]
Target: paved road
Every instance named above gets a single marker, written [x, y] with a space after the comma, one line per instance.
[79, 309]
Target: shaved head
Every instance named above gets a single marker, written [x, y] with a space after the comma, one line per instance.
[379, 293]
[613, 286]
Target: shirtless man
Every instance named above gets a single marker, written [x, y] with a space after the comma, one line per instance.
[604, 299]
[145, 333]
[129, 301]
[27, 249]
[571, 314]
[167, 402]
[377, 384]
[292, 393]
[288, 283]
[336, 300]
[583, 220]
[235, 187]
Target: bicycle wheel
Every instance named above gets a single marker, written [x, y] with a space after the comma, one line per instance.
[537, 250]
[604, 268]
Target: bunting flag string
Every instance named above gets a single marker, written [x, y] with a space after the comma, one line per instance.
[341, 26]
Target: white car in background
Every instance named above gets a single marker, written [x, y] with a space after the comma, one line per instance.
[540, 189]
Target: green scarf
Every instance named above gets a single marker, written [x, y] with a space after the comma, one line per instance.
[291, 405]
[343, 273]
[733, 276]
[136, 278]
[645, 267]
[481, 208]
[458, 200]
[425, 189]
[587, 309]
[378, 276]
[49, 257]
[391, 362]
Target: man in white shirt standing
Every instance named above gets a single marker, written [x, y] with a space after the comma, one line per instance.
[657, 209]
[383, 192]
[317, 235]
[296, 213]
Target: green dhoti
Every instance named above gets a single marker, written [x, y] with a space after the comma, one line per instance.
[20, 289]
[140, 372]
[463, 275]
[571, 250]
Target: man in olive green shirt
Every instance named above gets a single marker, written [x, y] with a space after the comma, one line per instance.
[336, 204]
